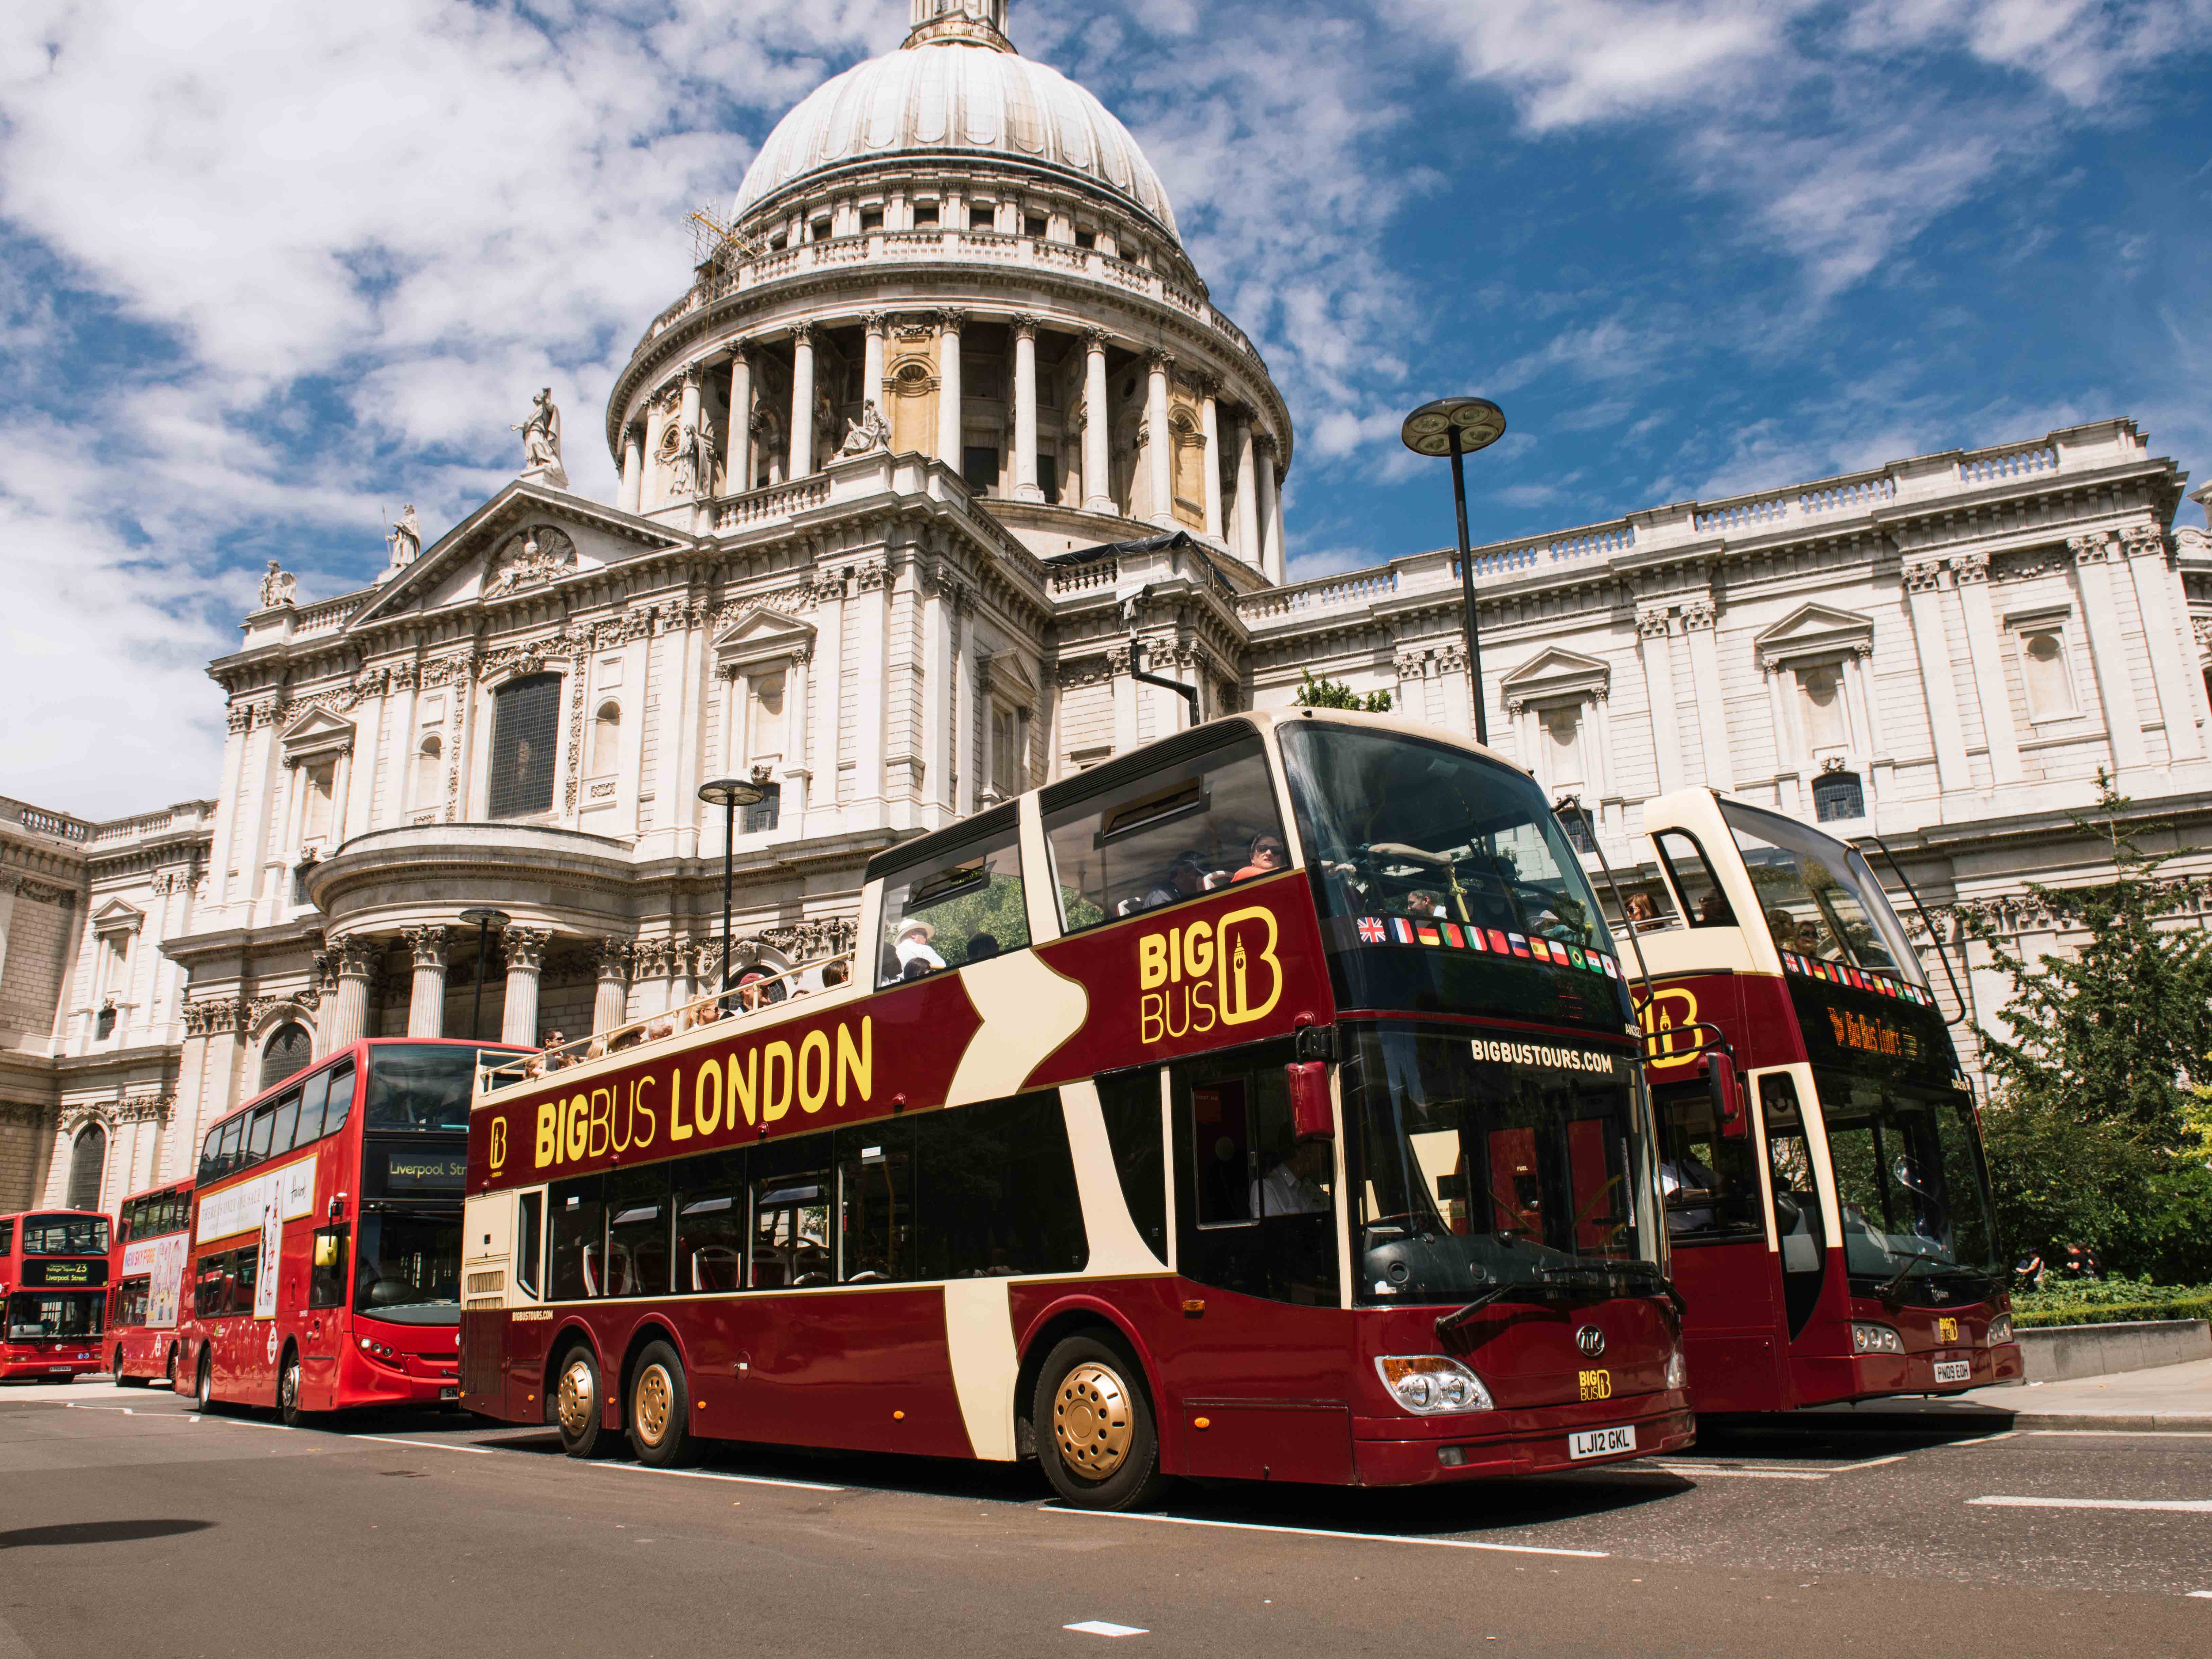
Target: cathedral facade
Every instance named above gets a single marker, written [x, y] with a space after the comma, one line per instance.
[943, 428]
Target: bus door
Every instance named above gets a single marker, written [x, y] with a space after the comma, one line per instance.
[1800, 1224]
[1264, 1362]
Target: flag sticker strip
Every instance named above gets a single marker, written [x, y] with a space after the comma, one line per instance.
[1444, 935]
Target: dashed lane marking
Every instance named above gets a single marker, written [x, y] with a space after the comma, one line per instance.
[1101, 1628]
[1323, 1532]
[716, 1474]
[2169, 1505]
[1701, 1470]
[2120, 1434]
[434, 1445]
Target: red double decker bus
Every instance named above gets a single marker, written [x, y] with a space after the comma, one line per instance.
[1828, 1201]
[150, 1269]
[1262, 1103]
[326, 1240]
[53, 1286]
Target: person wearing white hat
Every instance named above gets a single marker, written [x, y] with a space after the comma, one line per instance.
[911, 944]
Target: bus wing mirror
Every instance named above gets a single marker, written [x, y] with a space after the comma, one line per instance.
[1313, 1117]
[1728, 1110]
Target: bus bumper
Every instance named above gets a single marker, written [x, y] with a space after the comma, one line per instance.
[47, 1366]
[1403, 1462]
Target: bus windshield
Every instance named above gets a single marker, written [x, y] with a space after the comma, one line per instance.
[43, 1315]
[1818, 897]
[66, 1235]
[1399, 826]
[424, 1086]
[1909, 1179]
[409, 1266]
[1483, 1162]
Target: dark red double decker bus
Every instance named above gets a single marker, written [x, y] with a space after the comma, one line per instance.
[326, 1241]
[146, 1296]
[53, 1286]
[1827, 1202]
[1262, 1103]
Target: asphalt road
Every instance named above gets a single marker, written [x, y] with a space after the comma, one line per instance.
[129, 1526]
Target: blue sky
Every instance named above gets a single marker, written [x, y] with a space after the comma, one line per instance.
[267, 271]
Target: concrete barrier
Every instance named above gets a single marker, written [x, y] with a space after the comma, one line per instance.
[2057, 1353]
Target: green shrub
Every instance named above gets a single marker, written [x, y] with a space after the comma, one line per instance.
[2180, 1305]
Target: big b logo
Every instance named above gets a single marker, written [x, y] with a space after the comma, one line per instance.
[1660, 1015]
[1192, 979]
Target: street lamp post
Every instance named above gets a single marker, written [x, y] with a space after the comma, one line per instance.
[729, 794]
[1458, 426]
[485, 920]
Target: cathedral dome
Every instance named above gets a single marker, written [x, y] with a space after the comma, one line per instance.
[958, 91]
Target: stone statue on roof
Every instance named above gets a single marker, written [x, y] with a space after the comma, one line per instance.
[541, 441]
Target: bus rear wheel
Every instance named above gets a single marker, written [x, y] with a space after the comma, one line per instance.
[577, 1403]
[660, 1410]
[122, 1379]
[288, 1393]
[1095, 1436]
[170, 1374]
[203, 1389]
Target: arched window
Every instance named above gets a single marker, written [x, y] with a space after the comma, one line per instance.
[606, 738]
[428, 755]
[88, 1164]
[287, 1049]
[1837, 795]
[1582, 834]
[526, 725]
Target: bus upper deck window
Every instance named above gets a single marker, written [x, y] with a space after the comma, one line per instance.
[1124, 842]
[961, 905]
[1701, 889]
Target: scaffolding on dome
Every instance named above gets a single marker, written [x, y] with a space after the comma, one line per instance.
[717, 249]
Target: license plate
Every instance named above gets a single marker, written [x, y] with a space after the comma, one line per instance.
[61, 1367]
[1954, 1370]
[1601, 1443]
[449, 1393]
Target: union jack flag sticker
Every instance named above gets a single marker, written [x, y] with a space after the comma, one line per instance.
[1371, 930]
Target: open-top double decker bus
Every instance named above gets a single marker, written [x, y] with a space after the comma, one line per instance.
[326, 1241]
[1262, 1103]
[1827, 1202]
[53, 1286]
[151, 1269]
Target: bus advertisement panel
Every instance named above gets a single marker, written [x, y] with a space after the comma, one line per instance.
[1142, 1139]
[152, 1253]
[325, 1234]
[1833, 1228]
[53, 1286]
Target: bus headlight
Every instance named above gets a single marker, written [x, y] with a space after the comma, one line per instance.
[2000, 1330]
[1428, 1385]
[1874, 1339]
[1677, 1371]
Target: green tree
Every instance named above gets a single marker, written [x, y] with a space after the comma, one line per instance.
[2093, 1134]
[1335, 694]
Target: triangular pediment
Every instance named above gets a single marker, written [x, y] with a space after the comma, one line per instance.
[1556, 673]
[115, 913]
[1813, 629]
[762, 635]
[528, 538]
[316, 729]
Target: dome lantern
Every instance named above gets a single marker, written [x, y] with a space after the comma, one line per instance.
[978, 22]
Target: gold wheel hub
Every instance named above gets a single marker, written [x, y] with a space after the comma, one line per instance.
[655, 1396]
[578, 1399]
[1092, 1420]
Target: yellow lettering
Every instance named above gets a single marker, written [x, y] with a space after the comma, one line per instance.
[776, 1100]
[1171, 1000]
[1151, 1016]
[578, 1138]
[812, 1099]
[859, 1064]
[498, 1144]
[637, 1104]
[678, 1128]
[707, 1114]
[603, 1121]
[1198, 950]
[1204, 1017]
[741, 1086]
[549, 1132]
[1240, 973]
[1151, 961]
[1175, 956]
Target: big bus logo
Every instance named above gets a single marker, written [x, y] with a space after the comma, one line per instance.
[1190, 980]
[498, 1144]
[1662, 1015]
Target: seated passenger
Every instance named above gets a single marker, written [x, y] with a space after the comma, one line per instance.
[1267, 857]
[917, 969]
[1294, 1186]
[836, 974]
[1784, 930]
[982, 947]
[1185, 879]
[1643, 913]
[1714, 911]
[911, 944]
[1422, 904]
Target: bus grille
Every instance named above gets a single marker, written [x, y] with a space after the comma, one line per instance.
[490, 1284]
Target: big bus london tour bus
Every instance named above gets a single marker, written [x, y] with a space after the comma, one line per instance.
[150, 1269]
[53, 1285]
[1827, 1202]
[1262, 1103]
[325, 1240]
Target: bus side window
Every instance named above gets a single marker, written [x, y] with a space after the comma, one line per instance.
[1255, 1207]
[1131, 1103]
[287, 1123]
[326, 1272]
[210, 1290]
[257, 1132]
[791, 1213]
[875, 1195]
[960, 906]
[245, 1273]
[529, 1241]
[227, 1156]
[710, 1222]
[340, 1101]
[208, 1156]
[1710, 1181]
[996, 1190]
[637, 1230]
[1694, 878]
[310, 1126]
[578, 1269]
[1797, 1220]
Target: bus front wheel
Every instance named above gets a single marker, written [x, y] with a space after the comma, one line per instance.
[288, 1393]
[577, 1403]
[660, 1410]
[122, 1381]
[1095, 1436]
[203, 1389]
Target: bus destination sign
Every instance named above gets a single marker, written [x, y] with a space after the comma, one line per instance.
[56, 1274]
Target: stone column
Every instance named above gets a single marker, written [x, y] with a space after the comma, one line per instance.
[1209, 420]
[1247, 544]
[738, 452]
[802, 402]
[524, 950]
[1698, 620]
[2093, 558]
[872, 360]
[949, 436]
[1268, 520]
[633, 468]
[1097, 427]
[1025, 411]
[1924, 590]
[354, 960]
[1655, 638]
[1158, 448]
[1984, 651]
[656, 417]
[610, 1001]
[688, 422]
[2144, 547]
[937, 700]
[426, 1001]
[797, 769]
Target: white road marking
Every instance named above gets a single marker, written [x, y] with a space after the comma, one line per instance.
[2200, 1595]
[435, 1446]
[2173, 1505]
[1323, 1532]
[1100, 1627]
[2124, 1434]
[1874, 1462]
[71, 1405]
[1702, 1469]
[710, 1474]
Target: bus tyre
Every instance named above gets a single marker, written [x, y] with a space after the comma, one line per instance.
[170, 1374]
[577, 1403]
[203, 1389]
[122, 1381]
[660, 1410]
[288, 1393]
[1095, 1436]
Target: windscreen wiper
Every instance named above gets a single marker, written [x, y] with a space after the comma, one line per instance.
[1888, 1291]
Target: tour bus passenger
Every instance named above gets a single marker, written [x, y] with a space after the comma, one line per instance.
[1267, 857]
[838, 973]
[1422, 903]
[1643, 913]
[1185, 879]
[1293, 1186]
[982, 947]
[912, 944]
